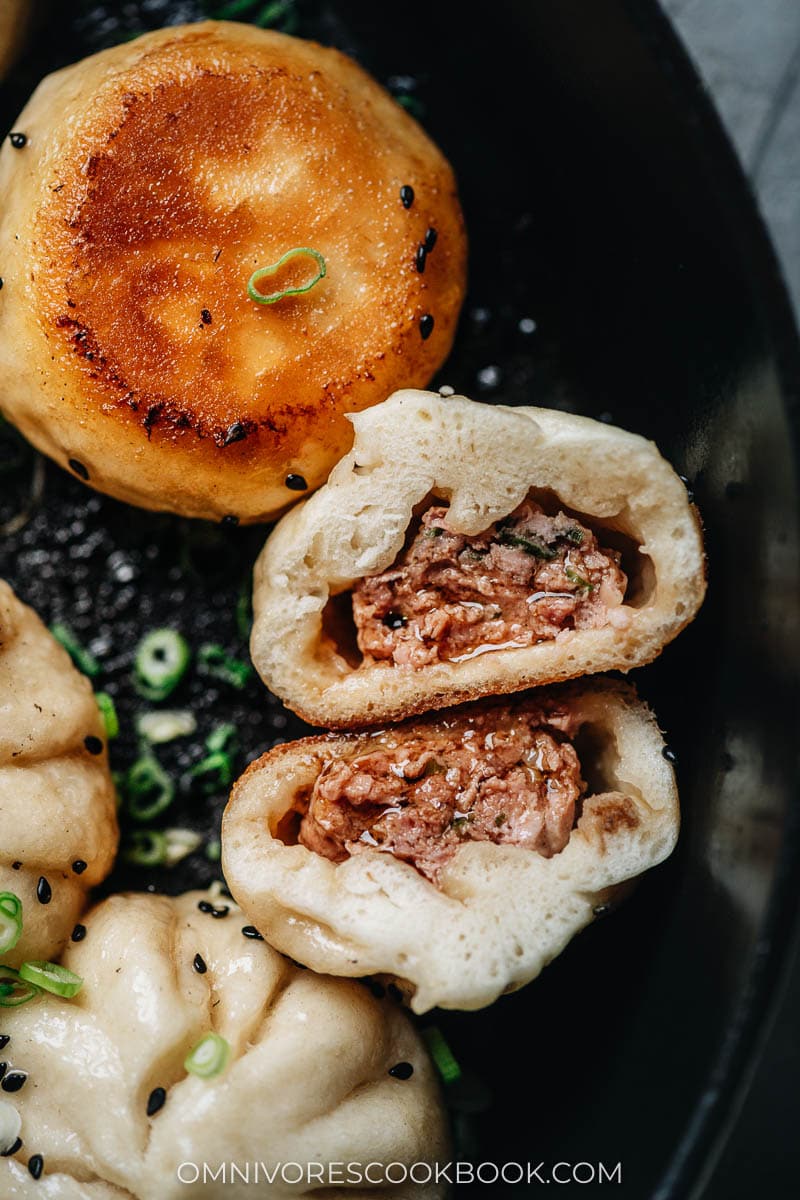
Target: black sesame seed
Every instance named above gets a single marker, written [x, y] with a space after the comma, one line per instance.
[93, 744]
[1, 283]
[155, 1101]
[406, 195]
[419, 259]
[3, 1069]
[204, 906]
[199, 964]
[15, 866]
[394, 620]
[669, 755]
[235, 433]
[426, 326]
[230, 521]
[222, 911]
[205, 317]
[78, 468]
[79, 866]
[296, 483]
[250, 931]
[44, 893]
[18, 140]
[13, 1081]
[401, 1070]
[430, 239]
[12, 1149]
[36, 1165]
[5, 1038]
[78, 933]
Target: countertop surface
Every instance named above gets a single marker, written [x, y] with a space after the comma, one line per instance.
[748, 54]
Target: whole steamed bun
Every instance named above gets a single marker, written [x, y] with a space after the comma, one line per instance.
[307, 1081]
[151, 181]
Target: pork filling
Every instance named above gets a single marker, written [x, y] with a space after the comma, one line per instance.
[507, 775]
[522, 581]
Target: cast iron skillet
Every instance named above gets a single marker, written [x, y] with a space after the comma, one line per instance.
[606, 208]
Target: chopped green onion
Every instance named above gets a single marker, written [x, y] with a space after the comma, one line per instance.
[214, 772]
[413, 105]
[224, 737]
[51, 977]
[108, 712]
[234, 8]
[146, 848]
[10, 921]
[530, 543]
[267, 272]
[212, 660]
[574, 535]
[15, 991]
[149, 790]
[214, 850]
[208, 1057]
[161, 661]
[244, 609]
[273, 12]
[160, 727]
[83, 660]
[179, 844]
[574, 577]
[442, 1055]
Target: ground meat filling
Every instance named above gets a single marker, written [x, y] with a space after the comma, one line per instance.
[450, 597]
[508, 775]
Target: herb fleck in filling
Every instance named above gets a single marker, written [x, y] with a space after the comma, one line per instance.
[450, 597]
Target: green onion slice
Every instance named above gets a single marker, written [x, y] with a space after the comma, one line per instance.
[146, 848]
[224, 737]
[442, 1055]
[10, 921]
[267, 272]
[212, 660]
[149, 790]
[577, 579]
[530, 543]
[179, 844]
[165, 726]
[14, 990]
[214, 772]
[209, 1057]
[214, 850]
[108, 712]
[83, 660]
[51, 977]
[161, 661]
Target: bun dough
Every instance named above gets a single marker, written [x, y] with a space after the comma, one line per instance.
[57, 800]
[484, 460]
[157, 176]
[500, 912]
[307, 1079]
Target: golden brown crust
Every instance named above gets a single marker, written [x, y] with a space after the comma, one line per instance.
[157, 177]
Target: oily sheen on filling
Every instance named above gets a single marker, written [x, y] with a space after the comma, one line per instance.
[523, 580]
[506, 775]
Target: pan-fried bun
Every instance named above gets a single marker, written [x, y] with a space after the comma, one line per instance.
[478, 464]
[157, 176]
[57, 799]
[307, 1080]
[499, 912]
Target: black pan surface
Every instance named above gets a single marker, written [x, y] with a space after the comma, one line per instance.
[618, 269]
